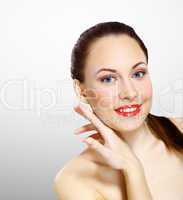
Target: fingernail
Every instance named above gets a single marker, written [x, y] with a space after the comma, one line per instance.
[77, 130]
[75, 107]
[89, 140]
[83, 140]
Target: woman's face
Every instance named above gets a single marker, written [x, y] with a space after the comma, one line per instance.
[124, 82]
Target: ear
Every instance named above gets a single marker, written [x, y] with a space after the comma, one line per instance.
[79, 90]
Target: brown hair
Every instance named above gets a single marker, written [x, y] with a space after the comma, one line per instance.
[160, 126]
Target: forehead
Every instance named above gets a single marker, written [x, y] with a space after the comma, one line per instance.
[114, 50]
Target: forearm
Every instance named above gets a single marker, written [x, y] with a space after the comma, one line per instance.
[136, 185]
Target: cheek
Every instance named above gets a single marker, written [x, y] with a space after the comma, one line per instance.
[101, 98]
[145, 89]
[148, 89]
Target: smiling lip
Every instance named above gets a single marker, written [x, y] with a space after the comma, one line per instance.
[132, 113]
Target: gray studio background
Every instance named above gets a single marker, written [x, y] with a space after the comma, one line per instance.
[36, 94]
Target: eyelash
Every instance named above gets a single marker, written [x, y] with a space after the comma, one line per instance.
[112, 76]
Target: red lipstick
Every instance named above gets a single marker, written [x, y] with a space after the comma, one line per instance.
[128, 110]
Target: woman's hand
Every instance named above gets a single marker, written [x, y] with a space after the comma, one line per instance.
[116, 152]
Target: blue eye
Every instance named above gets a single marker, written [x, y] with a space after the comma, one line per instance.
[108, 77]
[143, 73]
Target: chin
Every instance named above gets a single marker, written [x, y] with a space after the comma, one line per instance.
[128, 126]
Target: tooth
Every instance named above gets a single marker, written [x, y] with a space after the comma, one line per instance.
[127, 110]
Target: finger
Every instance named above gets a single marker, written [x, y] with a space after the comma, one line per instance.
[94, 144]
[79, 111]
[107, 134]
[87, 127]
[103, 129]
[98, 137]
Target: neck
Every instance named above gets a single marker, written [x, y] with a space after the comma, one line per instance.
[140, 139]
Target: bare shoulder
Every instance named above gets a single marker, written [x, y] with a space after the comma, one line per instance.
[80, 165]
[178, 121]
[85, 164]
[73, 177]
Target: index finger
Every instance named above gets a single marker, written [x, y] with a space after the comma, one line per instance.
[91, 116]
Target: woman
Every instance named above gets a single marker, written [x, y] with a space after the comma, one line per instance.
[133, 154]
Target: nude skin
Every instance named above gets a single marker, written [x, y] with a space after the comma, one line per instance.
[121, 53]
[85, 174]
[125, 87]
[116, 53]
[129, 86]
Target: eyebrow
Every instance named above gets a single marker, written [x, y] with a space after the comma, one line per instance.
[113, 70]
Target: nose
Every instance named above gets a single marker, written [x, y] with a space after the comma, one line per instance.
[127, 91]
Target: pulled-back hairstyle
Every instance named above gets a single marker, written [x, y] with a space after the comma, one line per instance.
[160, 126]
